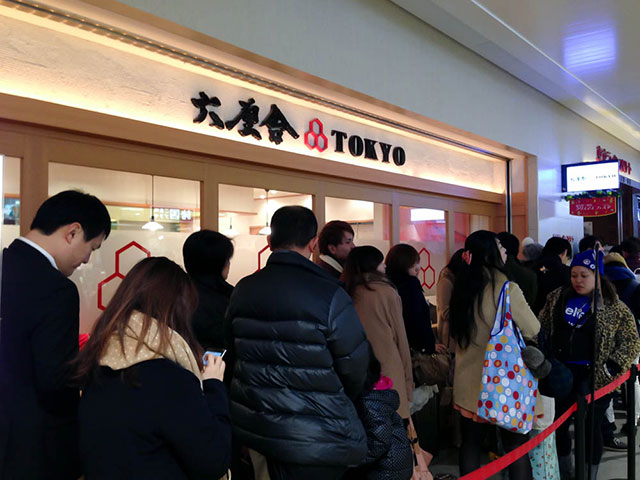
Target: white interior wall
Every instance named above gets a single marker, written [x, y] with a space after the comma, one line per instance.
[376, 48]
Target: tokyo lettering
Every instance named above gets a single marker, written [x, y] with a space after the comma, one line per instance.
[277, 125]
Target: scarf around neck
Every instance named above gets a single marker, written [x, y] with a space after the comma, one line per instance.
[177, 351]
[331, 261]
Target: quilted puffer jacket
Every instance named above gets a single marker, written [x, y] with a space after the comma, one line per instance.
[300, 358]
[389, 454]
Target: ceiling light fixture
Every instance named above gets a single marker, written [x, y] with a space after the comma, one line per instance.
[266, 230]
[152, 225]
[230, 232]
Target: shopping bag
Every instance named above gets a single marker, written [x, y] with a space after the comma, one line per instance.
[544, 459]
[420, 463]
[509, 389]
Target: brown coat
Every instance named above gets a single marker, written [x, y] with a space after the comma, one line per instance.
[380, 311]
[469, 361]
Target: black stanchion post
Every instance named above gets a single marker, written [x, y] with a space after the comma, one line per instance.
[580, 434]
[631, 435]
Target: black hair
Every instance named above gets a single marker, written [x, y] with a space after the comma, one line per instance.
[455, 262]
[73, 206]
[374, 371]
[510, 243]
[557, 245]
[616, 249]
[332, 234]
[361, 268]
[631, 245]
[470, 282]
[588, 243]
[206, 252]
[401, 258]
[293, 226]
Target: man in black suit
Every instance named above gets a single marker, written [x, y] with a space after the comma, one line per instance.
[39, 337]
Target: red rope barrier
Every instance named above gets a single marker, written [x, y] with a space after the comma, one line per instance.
[507, 459]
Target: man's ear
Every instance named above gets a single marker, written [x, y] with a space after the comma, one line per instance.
[71, 231]
[269, 242]
[313, 244]
[332, 249]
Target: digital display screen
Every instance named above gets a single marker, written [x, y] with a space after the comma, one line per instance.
[585, 177]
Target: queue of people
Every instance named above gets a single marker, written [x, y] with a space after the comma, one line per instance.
[318, 379]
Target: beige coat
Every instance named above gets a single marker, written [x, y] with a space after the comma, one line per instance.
[380, 311]
[467, 381]
[444, 290]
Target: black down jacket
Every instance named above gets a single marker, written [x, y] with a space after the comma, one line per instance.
[389, 454]
[300, 356]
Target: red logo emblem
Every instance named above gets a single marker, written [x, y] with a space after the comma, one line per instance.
[315, 137]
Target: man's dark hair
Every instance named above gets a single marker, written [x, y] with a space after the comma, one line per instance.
[557, 245]
[631, 245]
[616, 249]
[72, 206]
[510, 242]
[206, 253]
[588, 243]
[292, 226]
[332, 234]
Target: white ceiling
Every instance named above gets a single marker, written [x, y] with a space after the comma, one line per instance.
[583, 53]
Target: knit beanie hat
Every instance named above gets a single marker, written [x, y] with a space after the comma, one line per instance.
[588, 259]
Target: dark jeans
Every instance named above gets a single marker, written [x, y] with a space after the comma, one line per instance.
[608, 429]
[286, 471]
[470, 451]
[425, 422]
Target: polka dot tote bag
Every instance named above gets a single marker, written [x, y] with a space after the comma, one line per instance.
[509, 389]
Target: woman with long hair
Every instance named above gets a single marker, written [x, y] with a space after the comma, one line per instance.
[380, 310]
[569, 330]
[149, 408]
[473, 307]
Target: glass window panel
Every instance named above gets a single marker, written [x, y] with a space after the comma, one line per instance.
[11, 199]
[370, 221]
[426, 230]
[464, 225]
[244, 215]
[128, 197]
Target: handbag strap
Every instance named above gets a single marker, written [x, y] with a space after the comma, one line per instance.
[504, 316]
[498, 323]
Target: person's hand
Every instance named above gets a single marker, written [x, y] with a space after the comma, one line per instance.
[214, 368]
[440, 348]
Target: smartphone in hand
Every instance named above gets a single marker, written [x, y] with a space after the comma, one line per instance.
[215, 353]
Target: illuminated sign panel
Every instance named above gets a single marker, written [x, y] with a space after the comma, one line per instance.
[585, 177]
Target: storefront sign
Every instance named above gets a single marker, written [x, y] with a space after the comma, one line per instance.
[172, 214]
[592, 207]
[277, 124]
[603, 155]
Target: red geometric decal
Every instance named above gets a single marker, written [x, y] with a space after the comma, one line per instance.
[264, 249]
[118, 273]
[425, 259]
[315, 137]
